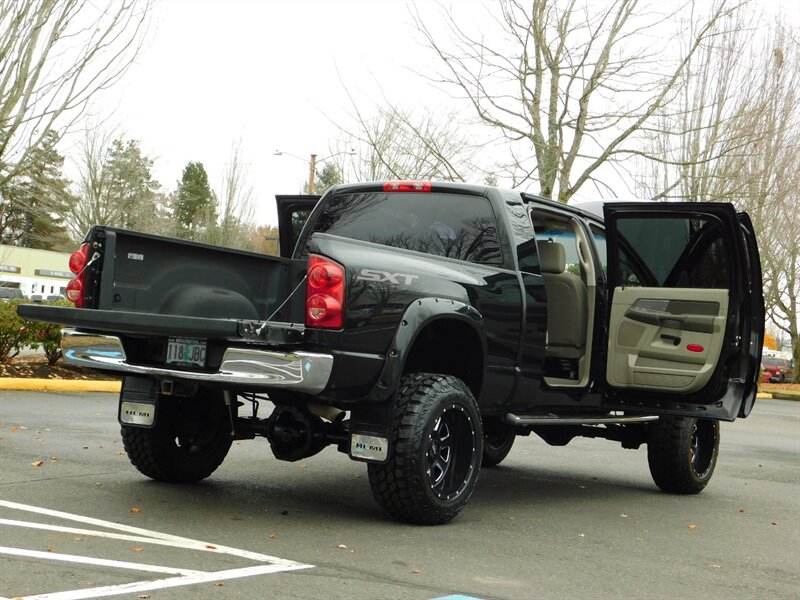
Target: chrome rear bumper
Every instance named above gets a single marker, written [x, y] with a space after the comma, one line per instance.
[302, 371]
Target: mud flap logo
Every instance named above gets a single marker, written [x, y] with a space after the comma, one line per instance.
[368, 447]
[137, 413]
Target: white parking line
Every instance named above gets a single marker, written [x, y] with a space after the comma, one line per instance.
[100, 562]
[160, 584]
[113, 536]
[273, 564]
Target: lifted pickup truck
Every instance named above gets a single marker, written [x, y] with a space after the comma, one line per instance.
[420, 327]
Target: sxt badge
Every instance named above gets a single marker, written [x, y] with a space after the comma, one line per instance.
[395, 278]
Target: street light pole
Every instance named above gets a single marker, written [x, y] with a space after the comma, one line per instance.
[312, 168]
[312, 164]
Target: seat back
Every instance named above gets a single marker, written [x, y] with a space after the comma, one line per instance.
[567, 299]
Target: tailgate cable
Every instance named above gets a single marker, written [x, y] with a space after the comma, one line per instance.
[277, 310]
[95, 256]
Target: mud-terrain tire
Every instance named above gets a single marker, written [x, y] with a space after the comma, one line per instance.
[189, 441]
[436, 455]
[682, 453]
[498, 438]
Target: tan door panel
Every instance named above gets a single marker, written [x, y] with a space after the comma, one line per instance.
[665, 339]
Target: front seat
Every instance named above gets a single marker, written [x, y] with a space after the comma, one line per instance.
[567, 300]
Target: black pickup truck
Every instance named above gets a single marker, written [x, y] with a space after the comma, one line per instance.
[420, 327]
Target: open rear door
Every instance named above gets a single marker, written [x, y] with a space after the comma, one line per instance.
[683, 319]
[293, 212]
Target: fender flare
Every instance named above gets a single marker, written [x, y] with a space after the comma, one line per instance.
[417, 316]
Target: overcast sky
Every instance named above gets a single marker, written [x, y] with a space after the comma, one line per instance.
[268, 73]
[271, 74]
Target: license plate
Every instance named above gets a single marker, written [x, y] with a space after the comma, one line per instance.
[186, 352]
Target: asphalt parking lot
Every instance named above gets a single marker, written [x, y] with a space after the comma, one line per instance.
[78, 521]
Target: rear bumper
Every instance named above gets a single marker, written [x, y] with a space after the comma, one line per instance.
[306, 372]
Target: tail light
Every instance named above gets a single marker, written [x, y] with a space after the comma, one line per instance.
[324, 293]
[406, 185]
[77, 264]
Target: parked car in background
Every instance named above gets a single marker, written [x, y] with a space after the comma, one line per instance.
[780, 370]
[7, 294]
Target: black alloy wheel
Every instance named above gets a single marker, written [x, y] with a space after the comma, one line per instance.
[190, 439]
[450, 452]
[682, 453]
[498, 438]
[435, 456]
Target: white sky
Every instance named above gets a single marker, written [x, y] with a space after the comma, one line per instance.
[265, 72]
[269, 73]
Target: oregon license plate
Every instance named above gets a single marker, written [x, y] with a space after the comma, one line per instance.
[186, 352]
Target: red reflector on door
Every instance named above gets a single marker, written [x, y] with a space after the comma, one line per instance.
[694, 348]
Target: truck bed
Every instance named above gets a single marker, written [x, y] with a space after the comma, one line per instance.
[149, 274]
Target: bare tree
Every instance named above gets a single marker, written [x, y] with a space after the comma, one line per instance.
[392, 142]
[116, 188]
[773, 166]
[235, 222]
[573, 84]
[91, 188]
[694, 148]
[54, 56]
[734, 135]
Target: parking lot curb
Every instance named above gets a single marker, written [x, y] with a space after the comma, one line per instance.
[58, 385]
[786, 396]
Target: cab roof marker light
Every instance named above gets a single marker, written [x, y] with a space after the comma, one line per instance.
[406, 185]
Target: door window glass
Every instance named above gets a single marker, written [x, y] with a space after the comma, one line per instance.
[682, 252]
[556, 228]
[599, 237]
[299, 217]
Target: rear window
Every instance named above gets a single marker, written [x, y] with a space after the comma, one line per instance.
[448, 225]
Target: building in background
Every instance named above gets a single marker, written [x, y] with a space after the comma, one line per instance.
[39, 274]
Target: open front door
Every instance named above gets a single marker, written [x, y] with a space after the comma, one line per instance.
[683, 313]
[293, 212]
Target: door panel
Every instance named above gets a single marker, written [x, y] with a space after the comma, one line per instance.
[679, 309]
[665, 339]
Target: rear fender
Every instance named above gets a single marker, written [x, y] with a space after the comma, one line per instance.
[417, 316]
[373, 416]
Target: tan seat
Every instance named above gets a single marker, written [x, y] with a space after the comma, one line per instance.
[567, 300]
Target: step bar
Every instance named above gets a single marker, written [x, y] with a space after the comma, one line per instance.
[521, 420]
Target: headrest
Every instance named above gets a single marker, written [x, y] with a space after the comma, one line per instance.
[552, 257]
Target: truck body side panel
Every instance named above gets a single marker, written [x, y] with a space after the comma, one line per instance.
[383, 282]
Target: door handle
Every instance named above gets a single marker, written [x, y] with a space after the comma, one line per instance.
[675, 339]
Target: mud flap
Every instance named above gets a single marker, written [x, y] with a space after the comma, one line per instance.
[138, 402]
[370, 432]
